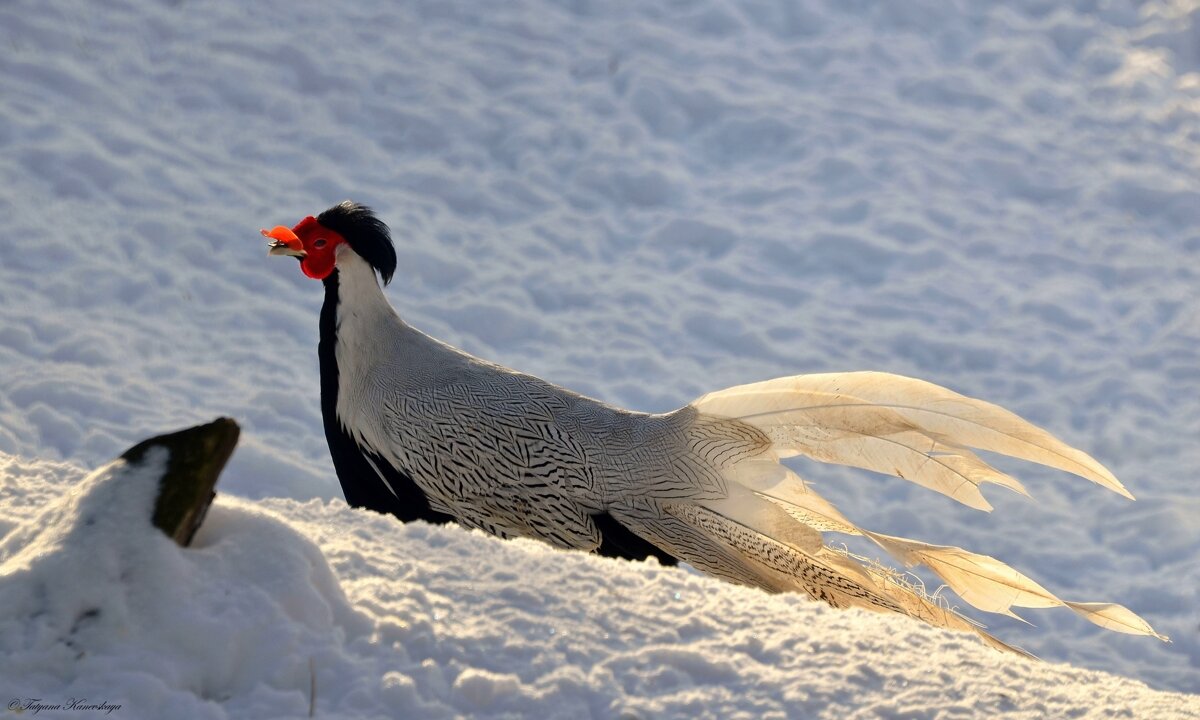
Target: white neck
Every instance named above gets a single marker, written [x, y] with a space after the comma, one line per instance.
[369, 338]
[359, 291]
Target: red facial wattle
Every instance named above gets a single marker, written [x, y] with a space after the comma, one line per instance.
[314, 244]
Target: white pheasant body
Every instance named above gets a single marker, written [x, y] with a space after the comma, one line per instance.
[453, 437]
[499, 450]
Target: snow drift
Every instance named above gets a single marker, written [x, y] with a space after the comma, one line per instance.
[281, 606]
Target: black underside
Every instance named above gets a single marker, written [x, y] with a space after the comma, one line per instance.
[617, 541]
[356, 466]
[360, 482]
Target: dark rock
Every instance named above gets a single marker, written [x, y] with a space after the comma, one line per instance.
[197, 456]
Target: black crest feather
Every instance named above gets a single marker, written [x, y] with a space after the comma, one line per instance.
[367, 235]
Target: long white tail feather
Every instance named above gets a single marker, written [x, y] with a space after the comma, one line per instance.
[848, 431]
[937, 411]
[778, 483]
[813, 510]
[1118, 618]
[980, 580]
[829, 576]
[918, 459]
[896, 425]
[822, 574]
[745, 508]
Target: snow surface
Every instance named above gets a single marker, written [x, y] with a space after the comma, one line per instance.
[434, 622]
[643, 202]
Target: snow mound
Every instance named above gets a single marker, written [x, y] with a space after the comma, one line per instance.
[280, 603]
[100, 604]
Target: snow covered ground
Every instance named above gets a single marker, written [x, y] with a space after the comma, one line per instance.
[280, 606]
[644, 202]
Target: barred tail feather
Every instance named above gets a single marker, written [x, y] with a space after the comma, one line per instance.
[772, 521]
[825, 574]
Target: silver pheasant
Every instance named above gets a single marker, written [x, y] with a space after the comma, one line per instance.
[421, 430]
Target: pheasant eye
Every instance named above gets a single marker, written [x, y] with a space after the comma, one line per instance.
[320, 243]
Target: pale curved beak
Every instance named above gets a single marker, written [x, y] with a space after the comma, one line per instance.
[284, 242]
